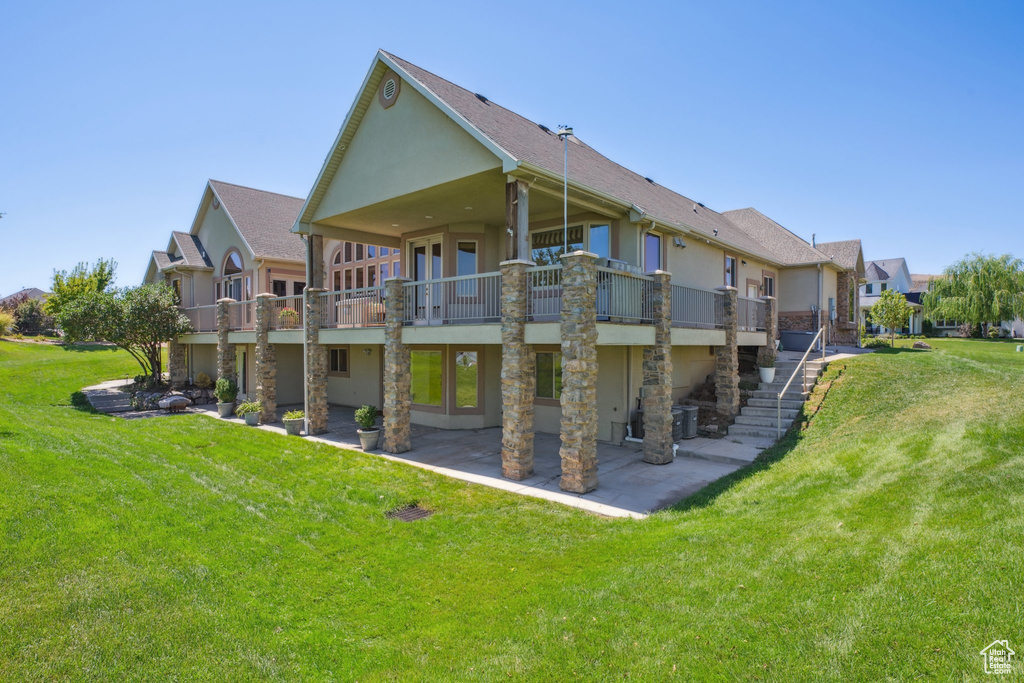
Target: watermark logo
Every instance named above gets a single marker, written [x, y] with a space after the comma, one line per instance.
[998, 657]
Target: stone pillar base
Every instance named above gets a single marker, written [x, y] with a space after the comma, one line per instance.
[397, 377]
[176, 370]
[316, 366]
[657, 377]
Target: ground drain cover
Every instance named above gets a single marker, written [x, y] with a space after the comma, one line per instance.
[408, 513]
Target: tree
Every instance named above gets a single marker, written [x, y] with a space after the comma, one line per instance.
[82, 279]
[891, 311]
[32, 318]
[136, 319]
[978, 289]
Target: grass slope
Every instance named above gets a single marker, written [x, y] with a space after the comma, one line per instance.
[884, 541]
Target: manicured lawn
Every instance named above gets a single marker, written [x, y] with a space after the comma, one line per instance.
[887, 540]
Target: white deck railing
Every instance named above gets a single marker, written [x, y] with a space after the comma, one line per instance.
[698, 308]
[203, 318]
[463, 300]
[353, 308]
[544, 293]
[624, 297]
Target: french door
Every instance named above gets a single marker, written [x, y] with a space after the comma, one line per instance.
[426, 264]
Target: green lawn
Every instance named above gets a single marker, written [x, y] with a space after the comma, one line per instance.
[884, 541]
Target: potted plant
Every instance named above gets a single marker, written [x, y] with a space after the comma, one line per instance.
[289, 317]
[226, 392]
[249, 411]
[369, 434]
[293, 420]
[766, 364]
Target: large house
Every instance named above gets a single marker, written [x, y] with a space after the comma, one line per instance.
[435, 272]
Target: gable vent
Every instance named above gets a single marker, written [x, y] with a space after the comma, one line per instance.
[389, 88]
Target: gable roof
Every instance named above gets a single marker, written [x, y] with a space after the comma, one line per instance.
[873, 271]
[787, 247]
[28, 292]
[920, 282]
[884, 269]
[263, 219]
[521, 143]
[193, 253]
[846, 254]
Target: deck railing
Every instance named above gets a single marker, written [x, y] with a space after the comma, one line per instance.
[624, 297]
[203, 318]
[287, 312]
[462, 300]
[242, 315]
[698, 308]
[544, 293]
[750, 314]
[353, 308]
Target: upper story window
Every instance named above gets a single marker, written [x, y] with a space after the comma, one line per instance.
[600, 240]
[869, 288]
[348, 252]
[466, 259]
[885, 286]
[730, 271]
[768, 286]
[232, 264]
[371, 251]
[337, 258]
[546, 246]
[359, 252]
[384, 251]
[652, 252]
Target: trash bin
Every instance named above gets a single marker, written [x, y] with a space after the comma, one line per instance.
[684, 423]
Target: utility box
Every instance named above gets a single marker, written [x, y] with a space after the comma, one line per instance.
[684, 422]
[793, 340]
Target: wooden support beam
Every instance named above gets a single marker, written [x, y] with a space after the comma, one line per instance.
[517, 220]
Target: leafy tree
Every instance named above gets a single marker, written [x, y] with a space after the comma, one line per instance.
[31, 317]
[891, 311]
[136, 319]
[978, 289]
[82, 279]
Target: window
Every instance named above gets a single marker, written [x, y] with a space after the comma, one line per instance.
[384, 269]
[466, 379]
[371, 276]
[336, 281]
[359, 252]
[425, 368]
[176, 286]
[279, 287]
[730, 271]
[338, 364]
[868, 288]
[768, 286]
[397, 267]
[384, 251]
[549, 375]
[337, 258]
[359, 278]
[465, 259]
[232, 264]
[348, 252]
[297, 288]
[852, 303]
[885, 286]
[371, 251]
[600, 241]
[548, 245]
[348, 278]
[652, 252]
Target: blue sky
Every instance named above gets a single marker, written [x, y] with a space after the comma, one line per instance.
[895, 122]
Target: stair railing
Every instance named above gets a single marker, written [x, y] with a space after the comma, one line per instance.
[799, 366]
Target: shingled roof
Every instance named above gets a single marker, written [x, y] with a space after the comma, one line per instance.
[883, 269]
[846, 254]
[264, 220]
[787, 247]
[193, 253]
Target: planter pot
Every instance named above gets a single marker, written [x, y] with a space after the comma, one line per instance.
[226, 409]
[369, 438]
[252, 419]
[293, 427]
[767, 375]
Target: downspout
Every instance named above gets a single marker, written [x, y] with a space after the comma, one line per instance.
[821, 294]
[305, 336]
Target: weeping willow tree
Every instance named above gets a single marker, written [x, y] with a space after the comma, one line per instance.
[978, 289]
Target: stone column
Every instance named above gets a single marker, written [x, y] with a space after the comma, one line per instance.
[225, 350]
[316, 247]
[176, 370]
[657, 377]
[266, 360]
[397, 373]
[579, 372]
[316, 365]
[727, 365]
[518, 375]
[769, 327]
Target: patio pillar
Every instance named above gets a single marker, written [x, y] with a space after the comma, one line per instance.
[225, 350]
[517, 223]
[397, 373]
[727, 365]
[176, 370]
[316, 366]
[579, 372]
[518, 378]
[316, 260]
[266, 360]
[769, 327]
[657, 376]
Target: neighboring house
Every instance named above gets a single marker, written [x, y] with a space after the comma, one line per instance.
[503, 316]
[889, 274]
[24, 295]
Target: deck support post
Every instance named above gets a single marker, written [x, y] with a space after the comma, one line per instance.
[517, 220]
[518, 374]
[316, 365]
[397, 373]
[266, 361]
[657, 376]
[727, 365]
[225, 349]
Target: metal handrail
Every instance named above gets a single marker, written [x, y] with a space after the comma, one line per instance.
[778, 400]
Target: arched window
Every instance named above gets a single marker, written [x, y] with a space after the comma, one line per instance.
[232, 263]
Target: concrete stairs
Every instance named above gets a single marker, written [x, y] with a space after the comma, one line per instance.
[108, 397]
[758, 422]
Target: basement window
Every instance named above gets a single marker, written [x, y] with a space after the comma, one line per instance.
[549, 375]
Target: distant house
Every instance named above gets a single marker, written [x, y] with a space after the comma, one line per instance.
[889, 274]
[24, 295]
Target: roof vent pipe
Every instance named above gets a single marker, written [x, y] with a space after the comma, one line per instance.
[814, 241]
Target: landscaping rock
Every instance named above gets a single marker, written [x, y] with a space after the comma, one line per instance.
[174, 403]
[922, 345]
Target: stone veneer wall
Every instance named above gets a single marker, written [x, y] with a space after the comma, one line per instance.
[579, 372]
[845, 332]
[771, 333]
[518, 375]
[397, 373]
[727, 366]
[801, 322]
[225, 349]
[176, 370]
[316, 365]
[266, 361]
[657, 376]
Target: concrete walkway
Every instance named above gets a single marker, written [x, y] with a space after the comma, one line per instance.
[628, 487]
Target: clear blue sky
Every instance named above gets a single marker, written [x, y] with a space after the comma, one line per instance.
[896, 122]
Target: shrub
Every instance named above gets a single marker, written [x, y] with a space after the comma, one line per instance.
[6, 323]
[876, 343]
[927, 327]
[226, 391]
[366, 416]
[294, 415]
[203, 381]
[247, 407]
[993, 332]
[31, 318]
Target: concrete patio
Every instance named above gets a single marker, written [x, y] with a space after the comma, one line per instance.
[628, 487]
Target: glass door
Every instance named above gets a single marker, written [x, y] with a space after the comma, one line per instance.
[427, 264]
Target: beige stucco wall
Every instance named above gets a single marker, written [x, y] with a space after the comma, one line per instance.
[409, 146]
[798, 289]
[830, 287]
[691, 365]
[612, 408]
[218, 235]
[203, 359]
[363, 385]
[289, 373]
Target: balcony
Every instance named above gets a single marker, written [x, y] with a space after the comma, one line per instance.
[698, 308]
[750, 314]
[352, 308]
[203, 318]
[463, 300]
